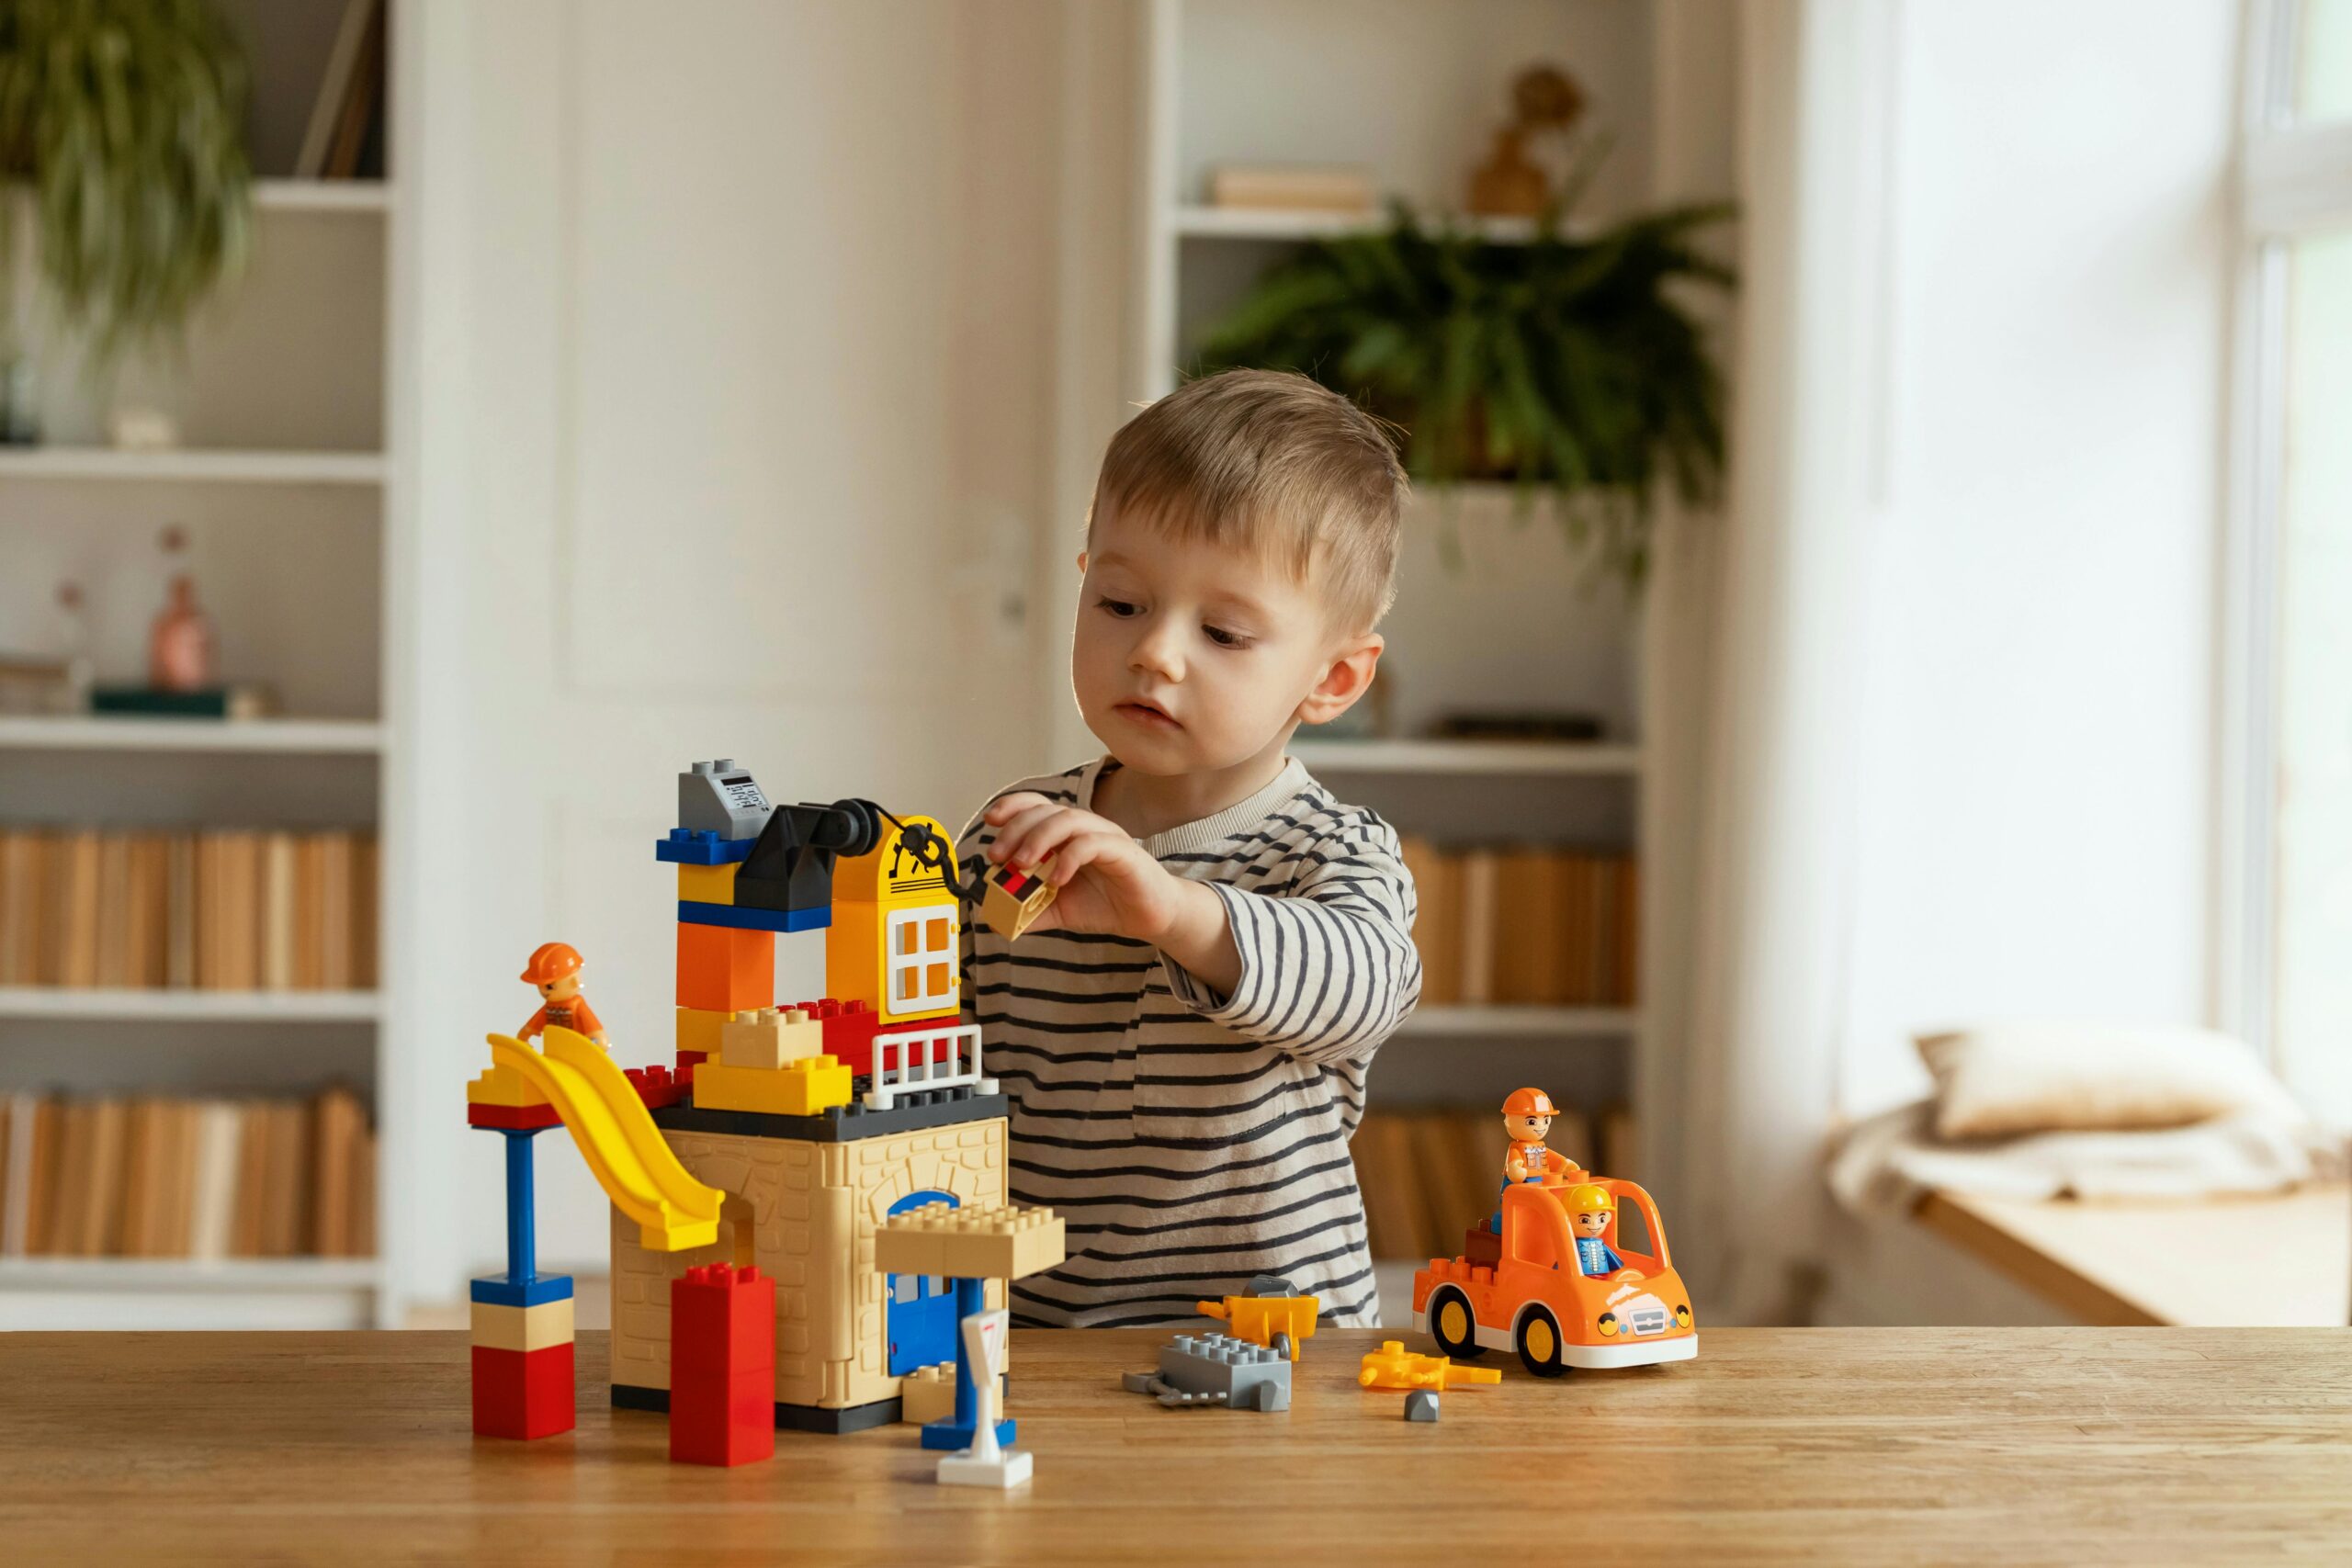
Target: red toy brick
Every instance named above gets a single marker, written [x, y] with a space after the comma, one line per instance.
[523, 1394]
[849, 1029]
[511, 1117]
[722, 1366]
[655, 1086]
[688, 1062]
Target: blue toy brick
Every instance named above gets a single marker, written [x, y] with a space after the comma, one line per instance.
[955, 1437]
[497, 1290]
[683, 847]
[734, 917]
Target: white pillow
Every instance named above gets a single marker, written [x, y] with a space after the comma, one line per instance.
[2042, 1077]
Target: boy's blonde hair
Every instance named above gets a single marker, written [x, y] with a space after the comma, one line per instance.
[1270, 461]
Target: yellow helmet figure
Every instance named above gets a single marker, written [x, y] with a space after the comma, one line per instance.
[1589, 1198]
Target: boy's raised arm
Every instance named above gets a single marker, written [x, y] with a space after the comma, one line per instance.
[1328, 963]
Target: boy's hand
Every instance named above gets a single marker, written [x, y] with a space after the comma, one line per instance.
[1108, 883]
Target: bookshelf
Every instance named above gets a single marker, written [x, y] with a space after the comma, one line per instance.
[291, 400]
[1496, 611]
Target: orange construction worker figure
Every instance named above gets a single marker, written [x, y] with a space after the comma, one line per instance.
[1527, 1118]
[555, 970]
[1594, 1207]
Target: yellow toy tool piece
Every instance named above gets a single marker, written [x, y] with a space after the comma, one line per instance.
[1263, 1320]
[625, 1151]
[1393, 1366]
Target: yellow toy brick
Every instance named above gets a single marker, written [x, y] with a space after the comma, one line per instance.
[698, 1030]
[895, 943]
[707, 883]
[522, 1328]
[804, 1088]
[987, 1241]
[769, 1038]
[503, 1086]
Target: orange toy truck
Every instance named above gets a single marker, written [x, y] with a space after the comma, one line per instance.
[1537, 1299]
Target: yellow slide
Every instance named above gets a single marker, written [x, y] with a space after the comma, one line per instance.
[625, 1151]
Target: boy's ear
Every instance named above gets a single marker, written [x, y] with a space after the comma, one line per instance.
[1347, 678]
[1081, 563]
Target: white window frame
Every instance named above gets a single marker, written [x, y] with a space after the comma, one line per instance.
[920, 960]
[2294, 179]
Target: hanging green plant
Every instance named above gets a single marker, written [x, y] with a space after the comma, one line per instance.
[127, 118]
[1566, 366]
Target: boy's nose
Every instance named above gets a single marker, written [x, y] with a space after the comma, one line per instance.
[1156, 653]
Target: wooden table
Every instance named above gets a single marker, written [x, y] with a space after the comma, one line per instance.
[2119, 1262]
[1775, 1446]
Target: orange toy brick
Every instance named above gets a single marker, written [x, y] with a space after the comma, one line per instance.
[722, 969]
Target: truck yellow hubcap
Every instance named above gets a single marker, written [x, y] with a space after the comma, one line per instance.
[1452, 1322]
[1540, 1343]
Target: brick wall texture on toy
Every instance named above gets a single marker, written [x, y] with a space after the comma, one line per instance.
[1430, 1173]
[226, 911]
[197, 1178]
[1525, 926]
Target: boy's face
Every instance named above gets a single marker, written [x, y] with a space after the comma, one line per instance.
[1593, 1221]
[1192, 657]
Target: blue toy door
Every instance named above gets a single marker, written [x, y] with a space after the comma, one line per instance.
[920, 1316]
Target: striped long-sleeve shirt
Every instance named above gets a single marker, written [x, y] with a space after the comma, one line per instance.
[1193, 1140]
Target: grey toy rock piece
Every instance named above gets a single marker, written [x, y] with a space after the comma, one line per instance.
[1420, 1405]
[1214, 1369]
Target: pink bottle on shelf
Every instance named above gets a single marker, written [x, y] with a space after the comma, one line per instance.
[179, 651]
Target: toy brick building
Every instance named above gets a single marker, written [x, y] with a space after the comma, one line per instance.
[823, 1120]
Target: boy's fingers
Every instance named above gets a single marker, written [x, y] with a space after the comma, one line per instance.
[1084, 848]
[1012, 846]
[1006, 808]
[1047, 838]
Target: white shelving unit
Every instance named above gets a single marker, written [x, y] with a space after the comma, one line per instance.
[189, 1007]
[290, 395]
[190, 467]
[1486, 757]
[319, 736]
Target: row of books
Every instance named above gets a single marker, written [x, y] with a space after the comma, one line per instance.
[1525, 926]
[226, 911]
[1429, 1173]
[199, 1178]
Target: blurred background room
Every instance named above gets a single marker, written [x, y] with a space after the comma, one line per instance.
[1869, 702]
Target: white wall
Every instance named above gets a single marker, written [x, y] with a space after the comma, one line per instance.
[2039, 662]
[737, 326]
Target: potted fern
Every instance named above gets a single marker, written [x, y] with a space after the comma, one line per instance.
[1566, 366]
[124, 122]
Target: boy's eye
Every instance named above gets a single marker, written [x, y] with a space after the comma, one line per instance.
[1223, 638]
[1119, 607]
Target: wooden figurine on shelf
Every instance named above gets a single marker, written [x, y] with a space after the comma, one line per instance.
[555, 970]
[1510, 183]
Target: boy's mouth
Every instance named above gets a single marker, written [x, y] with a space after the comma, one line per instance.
[1151, 716]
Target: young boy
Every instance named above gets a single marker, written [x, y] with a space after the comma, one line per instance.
[1185, 1034]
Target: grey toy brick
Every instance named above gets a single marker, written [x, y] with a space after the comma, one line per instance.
[1420, 1405]
[1216, 1368]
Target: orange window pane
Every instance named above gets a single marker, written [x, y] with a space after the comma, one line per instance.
[934, 935]
[935, 980]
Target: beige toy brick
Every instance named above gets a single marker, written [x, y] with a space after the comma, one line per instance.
[928, 1395]
[768, 1038]
[990, 1241]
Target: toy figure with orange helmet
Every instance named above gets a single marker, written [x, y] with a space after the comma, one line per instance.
[555, 970]
[1527, 1119]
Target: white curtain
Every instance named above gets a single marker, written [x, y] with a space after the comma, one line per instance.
[1770, 931]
